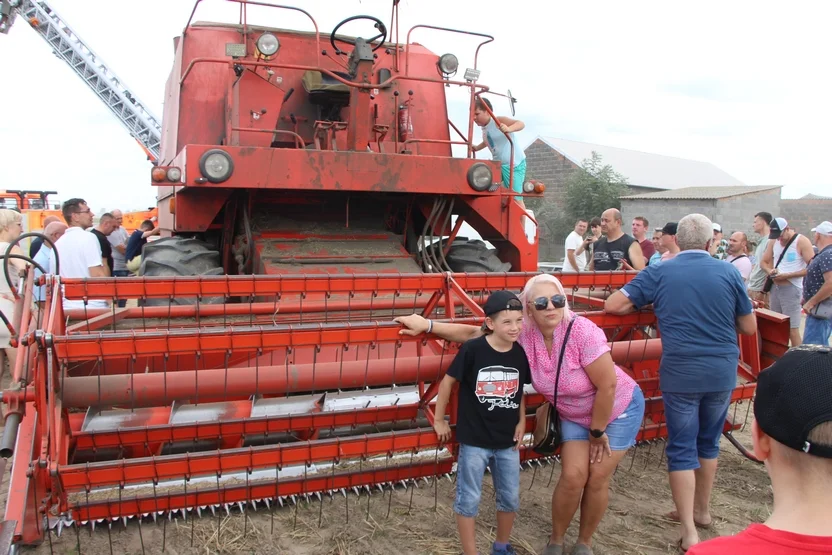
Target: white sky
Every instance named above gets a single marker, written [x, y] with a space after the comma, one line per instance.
[744, 85]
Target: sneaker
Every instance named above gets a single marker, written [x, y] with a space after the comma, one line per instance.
[509, 550]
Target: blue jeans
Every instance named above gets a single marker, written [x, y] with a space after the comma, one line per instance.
[505, 470]
[694, 424]
[816, 331]
[621, 432]
[121, 273]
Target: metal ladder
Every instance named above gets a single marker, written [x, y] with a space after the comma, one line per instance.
[67, 45]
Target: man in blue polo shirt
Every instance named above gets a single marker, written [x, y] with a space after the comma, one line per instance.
[700, 304]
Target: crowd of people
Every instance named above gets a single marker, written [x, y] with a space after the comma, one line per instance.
[784, 270]
[535, 338]
[83, 250]
[601, 408]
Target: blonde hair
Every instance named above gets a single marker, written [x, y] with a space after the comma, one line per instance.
[9, 217]
[526, 297]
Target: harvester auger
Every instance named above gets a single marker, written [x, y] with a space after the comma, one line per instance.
[307, 198]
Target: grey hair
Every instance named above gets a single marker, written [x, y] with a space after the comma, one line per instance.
[694, 232]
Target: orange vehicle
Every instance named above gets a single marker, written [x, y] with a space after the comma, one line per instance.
[132, 220]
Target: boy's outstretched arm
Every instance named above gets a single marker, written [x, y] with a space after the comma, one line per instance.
[479, 147]
[443, 430]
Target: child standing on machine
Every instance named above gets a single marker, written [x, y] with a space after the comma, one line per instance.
[494, 137]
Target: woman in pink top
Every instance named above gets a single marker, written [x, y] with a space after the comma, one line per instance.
[600, 406]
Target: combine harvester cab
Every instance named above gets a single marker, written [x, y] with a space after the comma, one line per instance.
[306, 191]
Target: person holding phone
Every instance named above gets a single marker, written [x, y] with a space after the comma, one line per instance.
[576, 247]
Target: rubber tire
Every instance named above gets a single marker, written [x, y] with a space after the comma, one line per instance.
[180, 256]
[470, 256]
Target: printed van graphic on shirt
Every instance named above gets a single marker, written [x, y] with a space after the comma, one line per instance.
[497, 385]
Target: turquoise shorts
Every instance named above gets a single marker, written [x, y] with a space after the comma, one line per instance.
[519, 177]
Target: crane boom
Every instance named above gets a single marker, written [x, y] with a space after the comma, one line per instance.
[67, 45]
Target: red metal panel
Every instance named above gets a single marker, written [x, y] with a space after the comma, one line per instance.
[317, 170]
[243, 286]
[148, 469]
[255, 104]
[244, 425]
[129, 506]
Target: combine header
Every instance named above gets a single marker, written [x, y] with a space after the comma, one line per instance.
[307, 195]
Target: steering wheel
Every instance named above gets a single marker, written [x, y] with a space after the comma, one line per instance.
[377, 24]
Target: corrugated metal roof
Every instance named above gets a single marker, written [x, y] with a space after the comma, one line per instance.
[644, 169]
[702, 193]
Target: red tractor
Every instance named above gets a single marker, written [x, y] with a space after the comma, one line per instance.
[289, 152]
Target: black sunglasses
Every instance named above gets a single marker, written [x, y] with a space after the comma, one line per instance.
[542, 303]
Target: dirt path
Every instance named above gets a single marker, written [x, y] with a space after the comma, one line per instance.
[633, 524]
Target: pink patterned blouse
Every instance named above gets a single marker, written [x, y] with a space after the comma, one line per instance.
[576, 393]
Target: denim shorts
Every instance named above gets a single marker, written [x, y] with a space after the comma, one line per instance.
[622, 431]
[694, 425]
[505, 471]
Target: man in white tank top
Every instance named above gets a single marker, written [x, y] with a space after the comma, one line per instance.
[785, 261]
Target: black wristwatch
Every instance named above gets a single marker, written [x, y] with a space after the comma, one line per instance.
[596, 433]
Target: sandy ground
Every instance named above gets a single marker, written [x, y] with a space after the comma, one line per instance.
[420, 520]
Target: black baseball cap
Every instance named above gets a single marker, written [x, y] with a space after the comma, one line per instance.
[777, 227]
[670, 228]
[501, 300]
[793, 396]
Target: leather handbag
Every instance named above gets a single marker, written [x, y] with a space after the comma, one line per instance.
[546, 438]
[770, 282]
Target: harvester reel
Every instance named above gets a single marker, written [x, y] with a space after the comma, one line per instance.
[382, 33]
[179, 256]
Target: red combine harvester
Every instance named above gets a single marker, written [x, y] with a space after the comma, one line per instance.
[307, 193]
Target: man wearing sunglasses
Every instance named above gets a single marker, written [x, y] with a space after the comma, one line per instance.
[79, 250]
[699, 318]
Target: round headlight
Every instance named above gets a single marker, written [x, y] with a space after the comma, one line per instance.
[480, 177]
[528, 187]
[174, 174]
[448, 64]
[268, 44]
[216, 165]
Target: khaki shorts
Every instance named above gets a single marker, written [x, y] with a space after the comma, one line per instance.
[785, 299]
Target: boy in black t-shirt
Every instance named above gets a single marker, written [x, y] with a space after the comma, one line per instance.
[491, 371]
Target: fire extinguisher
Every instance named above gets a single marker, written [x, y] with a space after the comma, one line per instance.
[405, 123]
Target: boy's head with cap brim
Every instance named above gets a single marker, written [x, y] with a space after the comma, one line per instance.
[793, 403]
[497, 302]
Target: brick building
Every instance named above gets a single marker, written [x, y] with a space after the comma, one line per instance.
[805, 213]
[553, 160]
[731, 207]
